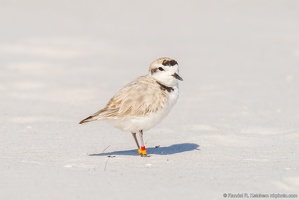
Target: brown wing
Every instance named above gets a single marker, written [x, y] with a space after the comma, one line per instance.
[138, 98]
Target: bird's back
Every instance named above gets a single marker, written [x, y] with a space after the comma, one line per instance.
[141, 97]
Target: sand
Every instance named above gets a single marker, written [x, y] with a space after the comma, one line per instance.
[234, 129]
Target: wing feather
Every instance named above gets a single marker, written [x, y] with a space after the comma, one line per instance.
[139, 98]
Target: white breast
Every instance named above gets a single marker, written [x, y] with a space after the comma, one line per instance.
[136, 124]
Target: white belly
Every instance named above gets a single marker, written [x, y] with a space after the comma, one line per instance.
[147, 122]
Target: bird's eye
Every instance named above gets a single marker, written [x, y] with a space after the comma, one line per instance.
[161, 69]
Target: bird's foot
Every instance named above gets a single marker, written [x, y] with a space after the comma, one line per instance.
[142, 151]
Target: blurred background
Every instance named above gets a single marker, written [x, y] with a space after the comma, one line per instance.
[55, 52]
[63, 60]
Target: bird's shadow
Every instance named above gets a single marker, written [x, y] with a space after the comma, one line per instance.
[157, 150]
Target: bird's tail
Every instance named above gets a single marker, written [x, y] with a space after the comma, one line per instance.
[88, 119]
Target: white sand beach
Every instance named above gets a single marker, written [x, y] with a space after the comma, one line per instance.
[234, 129]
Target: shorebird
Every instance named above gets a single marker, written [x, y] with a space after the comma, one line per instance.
[143, 103]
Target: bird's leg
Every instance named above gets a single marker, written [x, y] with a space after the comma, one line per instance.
[142, 150]
[134, 136]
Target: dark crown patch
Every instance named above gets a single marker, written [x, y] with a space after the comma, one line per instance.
[169, 62]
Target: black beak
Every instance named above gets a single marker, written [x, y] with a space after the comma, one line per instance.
[175, 75]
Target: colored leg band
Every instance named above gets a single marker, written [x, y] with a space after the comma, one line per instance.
[142, 150]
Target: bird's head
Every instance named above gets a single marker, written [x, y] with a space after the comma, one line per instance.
[166, 71]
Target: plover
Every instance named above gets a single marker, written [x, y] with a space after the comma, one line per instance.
[143, 103]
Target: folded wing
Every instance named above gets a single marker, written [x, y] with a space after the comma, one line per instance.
[139, 98]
